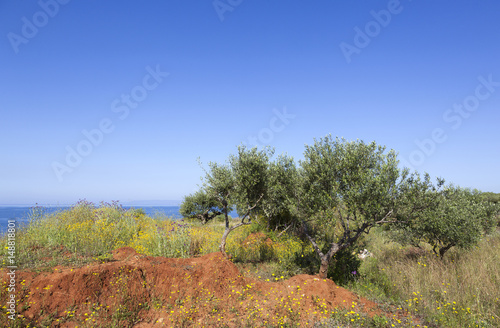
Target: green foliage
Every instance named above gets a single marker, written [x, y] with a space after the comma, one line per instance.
[219, 183]
[201, 206]
[344, 266]
[137, 212]
[221, 218]
[243, 182]
[494, 199]
[454, 217]
[347, 188]
[250, 170]
[416, 196]
[282, 191]
[491, 197]
[359, 176]
[340, 191]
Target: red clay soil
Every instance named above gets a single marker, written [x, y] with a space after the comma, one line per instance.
[257, 238]
[139, 291]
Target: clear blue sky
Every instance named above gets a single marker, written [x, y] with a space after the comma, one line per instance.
[166, 82]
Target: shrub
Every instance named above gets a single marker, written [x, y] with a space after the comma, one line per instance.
[345, 266]
[457, 217]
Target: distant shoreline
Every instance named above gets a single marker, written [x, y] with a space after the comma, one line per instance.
[70, 205]
[148, 203]
[20, 213]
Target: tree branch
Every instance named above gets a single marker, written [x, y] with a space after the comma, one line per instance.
[237, 226]
[358, 231]
[342, 220]
[250, 208]
[385, 217]
[279, 235]
[313, 242]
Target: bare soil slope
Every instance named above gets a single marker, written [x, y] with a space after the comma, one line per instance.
[133, 290]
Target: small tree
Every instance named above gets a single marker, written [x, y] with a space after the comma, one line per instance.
[348, 187]
[242, 182]
[250, 172]
[494, 205]
[491, 197]
[202, 206]
[416, 195]
[459, 217]
[220, 184]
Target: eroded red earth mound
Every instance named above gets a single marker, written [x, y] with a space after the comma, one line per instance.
[134, 290]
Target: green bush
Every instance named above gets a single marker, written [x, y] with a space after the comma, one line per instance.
[345, 267]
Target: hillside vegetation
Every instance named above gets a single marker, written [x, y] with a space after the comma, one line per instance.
[435, 259]
[460, 290]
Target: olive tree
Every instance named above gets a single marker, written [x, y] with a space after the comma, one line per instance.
[491, 197]
[347, 188]
[243, 181]
[458, 217]
[201, 205]
[250, 171]
[220, 184]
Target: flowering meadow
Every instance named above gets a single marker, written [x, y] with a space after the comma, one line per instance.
[461, 290]
[87, 232]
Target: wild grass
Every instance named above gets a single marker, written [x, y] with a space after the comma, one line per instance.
[88, 232]
[461, 290]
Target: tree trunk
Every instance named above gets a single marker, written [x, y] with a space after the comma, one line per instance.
[222, 246]
[325, 260]
[323, 269]
[443, 250]
[228, 229]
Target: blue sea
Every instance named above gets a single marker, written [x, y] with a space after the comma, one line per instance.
[21, 214]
